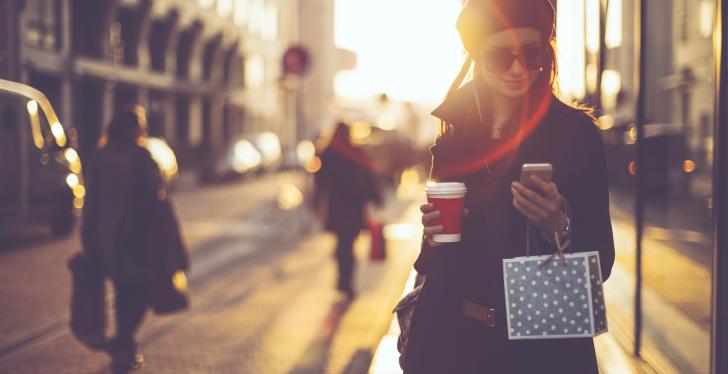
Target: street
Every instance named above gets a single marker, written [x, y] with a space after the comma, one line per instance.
[261, 286]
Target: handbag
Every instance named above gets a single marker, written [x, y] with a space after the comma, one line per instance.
[88, 301]
[171, 294]
[405, 310]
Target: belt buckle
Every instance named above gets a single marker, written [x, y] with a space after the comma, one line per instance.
[491, 317]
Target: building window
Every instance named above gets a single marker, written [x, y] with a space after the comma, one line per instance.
[707, 11]
[42, 24]
[613, 37]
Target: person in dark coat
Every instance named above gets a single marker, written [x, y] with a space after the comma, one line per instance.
[123, 185]
[343, 186]
[506, 116]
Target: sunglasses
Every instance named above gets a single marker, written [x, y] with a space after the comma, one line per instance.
[500, 60]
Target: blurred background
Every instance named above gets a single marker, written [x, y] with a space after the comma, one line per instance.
[239, 97]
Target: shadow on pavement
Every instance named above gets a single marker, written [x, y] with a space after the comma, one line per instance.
[315, 357]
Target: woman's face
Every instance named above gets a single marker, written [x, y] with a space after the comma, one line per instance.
[509, 61]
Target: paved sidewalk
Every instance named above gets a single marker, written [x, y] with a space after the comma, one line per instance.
[262, 292]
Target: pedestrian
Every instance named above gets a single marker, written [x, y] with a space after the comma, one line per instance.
[507, 115]
[121, 231]
[343, 186]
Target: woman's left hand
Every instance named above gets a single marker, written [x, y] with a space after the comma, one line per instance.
[542, 208]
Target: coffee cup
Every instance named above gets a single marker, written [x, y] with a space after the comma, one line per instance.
[449, 199]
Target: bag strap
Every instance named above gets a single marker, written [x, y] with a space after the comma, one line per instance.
[560, 247]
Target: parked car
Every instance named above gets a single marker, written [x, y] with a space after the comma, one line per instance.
[41, 177]
[269, 146]
[239, 158]
[667, 162]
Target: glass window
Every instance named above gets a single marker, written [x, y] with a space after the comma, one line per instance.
[677, 189]
[41, 24]
[676, 170]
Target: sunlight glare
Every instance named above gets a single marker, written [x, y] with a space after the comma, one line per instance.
[570, 40]
[406, 48]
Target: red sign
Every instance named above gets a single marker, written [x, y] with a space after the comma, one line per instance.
[296, 61]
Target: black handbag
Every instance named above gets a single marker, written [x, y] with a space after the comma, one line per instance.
[88, 301]
[171, 295]
[405, 309]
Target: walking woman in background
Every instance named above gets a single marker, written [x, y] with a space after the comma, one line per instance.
[130, 232]
[509, 114]
[343, 186]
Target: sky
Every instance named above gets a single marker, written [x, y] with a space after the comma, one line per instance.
[408, 49]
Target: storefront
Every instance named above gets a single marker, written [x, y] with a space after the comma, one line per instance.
[654, 72]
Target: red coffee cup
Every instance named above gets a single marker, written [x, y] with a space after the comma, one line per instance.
[449, 199]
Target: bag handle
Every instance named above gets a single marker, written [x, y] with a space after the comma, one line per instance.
[560, 247]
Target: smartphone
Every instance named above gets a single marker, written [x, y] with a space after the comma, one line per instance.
[543, 171]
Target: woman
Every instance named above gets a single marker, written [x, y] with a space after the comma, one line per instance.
[506, 116]
[344, 185]
[121, 233]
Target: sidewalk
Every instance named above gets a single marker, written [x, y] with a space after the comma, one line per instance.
[263, 301]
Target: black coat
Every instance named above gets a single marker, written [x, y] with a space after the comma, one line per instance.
[443, 340]
[343, 186]
[129, 225]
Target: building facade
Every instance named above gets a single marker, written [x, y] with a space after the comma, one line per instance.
[205, 70]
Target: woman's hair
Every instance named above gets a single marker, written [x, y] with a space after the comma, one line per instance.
[124, 129]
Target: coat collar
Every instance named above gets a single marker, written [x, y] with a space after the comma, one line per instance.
[460, 107]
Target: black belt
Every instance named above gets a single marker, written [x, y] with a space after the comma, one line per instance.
[481, 313]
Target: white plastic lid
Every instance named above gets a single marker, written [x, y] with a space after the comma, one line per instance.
[446, 188]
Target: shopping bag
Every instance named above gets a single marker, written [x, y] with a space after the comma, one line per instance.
[378, 250]
[556, 296]
[88, 301]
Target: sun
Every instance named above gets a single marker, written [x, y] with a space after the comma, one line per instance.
[408, 49]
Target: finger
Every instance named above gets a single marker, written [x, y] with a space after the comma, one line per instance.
[432, 243]
[549, 188]
[427, 218]
[426, 208]
[432, 230]
[525, 212]
[528, 205]
[536, 198]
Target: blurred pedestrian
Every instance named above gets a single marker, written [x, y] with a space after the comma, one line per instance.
[342, 188]
[130, 231]
[508, 114]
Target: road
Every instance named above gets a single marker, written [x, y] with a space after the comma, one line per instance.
[261, 287]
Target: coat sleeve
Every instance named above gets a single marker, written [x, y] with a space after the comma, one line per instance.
[442, 161]
[587, 190]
